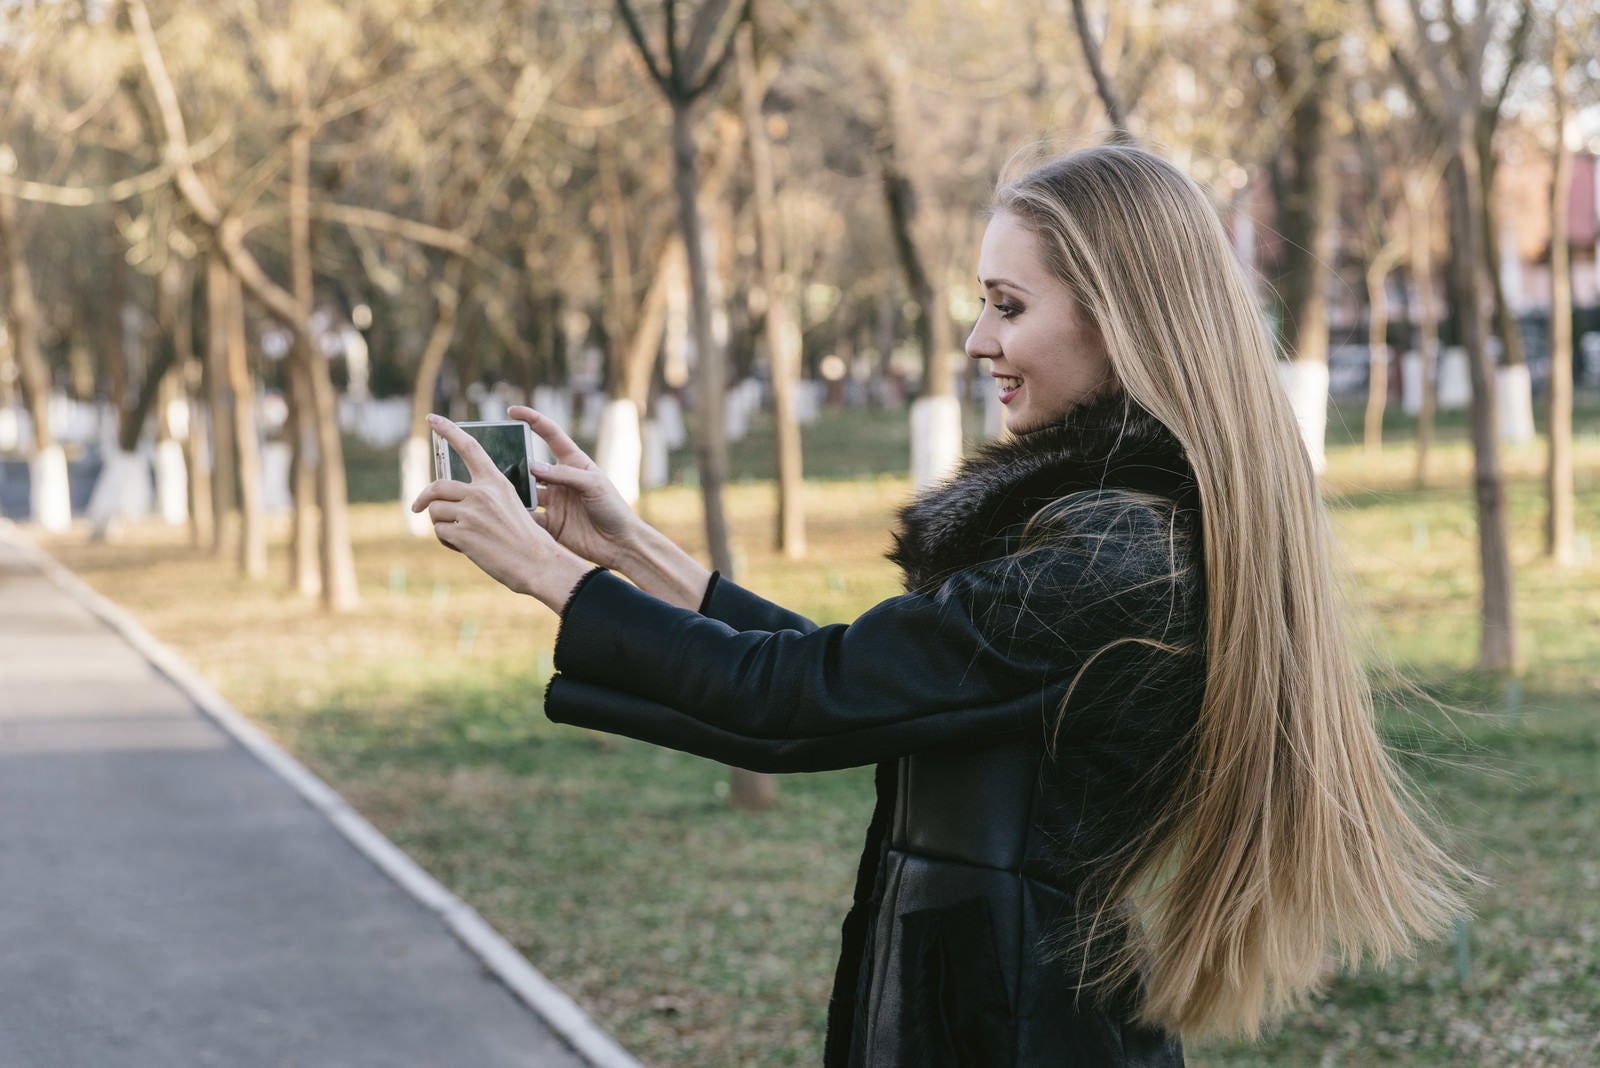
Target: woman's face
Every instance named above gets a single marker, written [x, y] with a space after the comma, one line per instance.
[1042, 354]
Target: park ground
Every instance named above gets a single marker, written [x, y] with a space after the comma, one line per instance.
[702, 936]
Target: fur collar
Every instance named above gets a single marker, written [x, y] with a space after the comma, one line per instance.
[978, 513]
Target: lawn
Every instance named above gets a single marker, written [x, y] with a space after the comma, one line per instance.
[700, 936]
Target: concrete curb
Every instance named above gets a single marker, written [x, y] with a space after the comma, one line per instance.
[555, 1008]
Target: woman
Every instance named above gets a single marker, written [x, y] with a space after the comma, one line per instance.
[1128, 783]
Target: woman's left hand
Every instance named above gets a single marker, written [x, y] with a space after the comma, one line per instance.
[486, 520]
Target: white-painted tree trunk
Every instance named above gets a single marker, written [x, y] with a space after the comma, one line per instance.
[122, 492]
[1306, 384]
[935, 440]
[1411, 383]
[556, 404]
[416, 471]
[1455, 380]
[275, 495]
[10, 429]
[172, 483]
[49, 494]
[655, 471]
[669, 415]
[619, 448]
[1514, 401]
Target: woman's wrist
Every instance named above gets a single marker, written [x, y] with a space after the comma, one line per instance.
[659, 567]
[553, 576]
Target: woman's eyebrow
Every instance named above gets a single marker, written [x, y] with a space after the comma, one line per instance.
[990, 283]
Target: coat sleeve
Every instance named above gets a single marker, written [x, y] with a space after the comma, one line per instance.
[742, 610]
[991, 654]
[912, 672]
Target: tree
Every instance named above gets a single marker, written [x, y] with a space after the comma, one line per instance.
[683, 72]
[936, 415]
[313, 392]
[1420, 188]
[49, 503]
[49, 494]
[785, 372]
[1558, 523]
[1446, 85]
[231, 393]
[1302, 47]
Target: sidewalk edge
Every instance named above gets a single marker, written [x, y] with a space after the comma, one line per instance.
[498, 956]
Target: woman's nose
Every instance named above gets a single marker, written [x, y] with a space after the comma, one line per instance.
[979, 345]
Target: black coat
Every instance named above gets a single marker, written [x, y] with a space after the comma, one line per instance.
[995, 805]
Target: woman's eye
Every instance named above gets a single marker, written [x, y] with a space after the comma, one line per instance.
[1007, 311]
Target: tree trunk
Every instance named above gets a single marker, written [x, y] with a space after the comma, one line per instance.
[1420, 242]
[50, 505]
[246, 435]
[193, 440]
[337, 563]
[1505, 321]
[710, 445]
[416, 469]
[305, 571]
[1308, 207]
[1497, 651]
[1378, 352]
[791, 529]
[304, 558]
[1558, 525]
[221, 401]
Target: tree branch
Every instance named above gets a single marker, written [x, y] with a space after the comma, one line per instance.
[1115, 109]
[715, 70]
[635, 31]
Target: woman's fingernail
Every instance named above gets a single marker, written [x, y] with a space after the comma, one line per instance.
[539, 467]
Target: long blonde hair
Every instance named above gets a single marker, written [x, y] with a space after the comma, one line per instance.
[1291, 839]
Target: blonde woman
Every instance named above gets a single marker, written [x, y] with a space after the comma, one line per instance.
[1129, 787]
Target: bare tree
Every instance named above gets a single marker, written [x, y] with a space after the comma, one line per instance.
[1558, 523]
[1419, 194]
[684, 72]
[1446, 85]
[1302, 47]
[785, 371]
[338, 587]
[233, 408]
[49, 503]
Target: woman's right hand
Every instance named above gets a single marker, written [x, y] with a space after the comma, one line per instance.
[582, 510]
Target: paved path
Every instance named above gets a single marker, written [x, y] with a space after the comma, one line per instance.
[168, 899]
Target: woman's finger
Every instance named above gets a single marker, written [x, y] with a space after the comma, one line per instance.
[443, 490]
[577, 478]
[562, 447]
[479, 465]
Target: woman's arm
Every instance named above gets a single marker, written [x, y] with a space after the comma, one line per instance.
[914, 672]
[993, 653]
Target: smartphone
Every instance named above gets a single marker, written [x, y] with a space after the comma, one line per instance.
[509, 444]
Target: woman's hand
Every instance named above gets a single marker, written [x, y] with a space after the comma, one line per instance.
[486, 520]
[582, 509]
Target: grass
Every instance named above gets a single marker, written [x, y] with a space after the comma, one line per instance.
[700, 936]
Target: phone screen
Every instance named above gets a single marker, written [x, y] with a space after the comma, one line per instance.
[507, 446]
